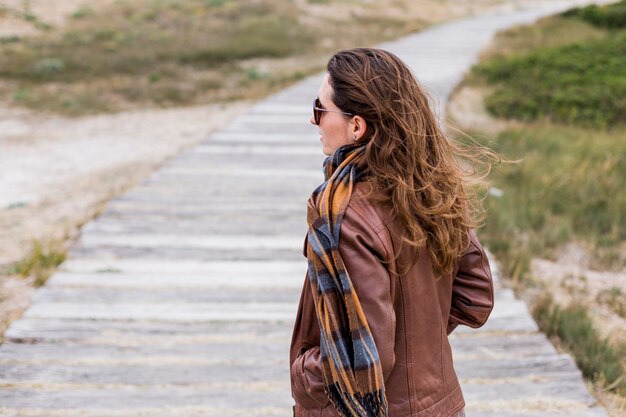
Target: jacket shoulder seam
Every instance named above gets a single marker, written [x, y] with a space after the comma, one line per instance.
[375, 226]
[376, 229]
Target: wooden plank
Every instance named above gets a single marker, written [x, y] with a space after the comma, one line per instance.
[200, 410]
[50, 352]
[507, 316]
[226, 224]
[181, 283]
[151, 333]
[275, 118]
[245, 177]
[213, 200]
[569, 388]
[255, 160]
[149, 254]
[173, 311]
[182, 267]
[122, 358]
[192, 175]
[131, 208]
[500, 347]
[250, 189]
[523, 324]
[258, 149]
[169, 294]
[542, 366]
[238, 138]
[269, 108]
[241, 371]
[156, 399]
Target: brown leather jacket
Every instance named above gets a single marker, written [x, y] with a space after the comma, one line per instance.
[410, 317]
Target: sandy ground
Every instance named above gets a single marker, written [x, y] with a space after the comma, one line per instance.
[50, 12]
[571, 282]
[56, 173]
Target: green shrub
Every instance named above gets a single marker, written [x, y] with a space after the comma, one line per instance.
[610, 16]
[582, 84]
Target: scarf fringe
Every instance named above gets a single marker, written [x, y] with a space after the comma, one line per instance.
[371, 404]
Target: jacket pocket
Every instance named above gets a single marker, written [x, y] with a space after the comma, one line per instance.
[307, 383]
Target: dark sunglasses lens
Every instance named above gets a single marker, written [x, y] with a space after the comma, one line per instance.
[316, 113]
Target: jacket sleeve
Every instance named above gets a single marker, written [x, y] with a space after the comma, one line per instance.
[472, 288]
[362, 252]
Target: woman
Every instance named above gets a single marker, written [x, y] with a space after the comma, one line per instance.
[394, 265]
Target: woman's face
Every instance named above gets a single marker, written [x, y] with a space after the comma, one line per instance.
[335, 129]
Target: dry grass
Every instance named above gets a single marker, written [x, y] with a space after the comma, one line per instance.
[615, 299]
[125, 54]
[41, 262]
[598, 360]
[549, 32]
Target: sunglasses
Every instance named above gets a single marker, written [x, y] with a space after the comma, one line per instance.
[318, 109]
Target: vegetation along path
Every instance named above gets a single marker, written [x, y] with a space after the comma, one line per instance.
[179, 299]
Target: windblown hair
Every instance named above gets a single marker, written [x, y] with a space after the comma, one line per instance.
[410, 163]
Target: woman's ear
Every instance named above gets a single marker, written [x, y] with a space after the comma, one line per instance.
[359, 126]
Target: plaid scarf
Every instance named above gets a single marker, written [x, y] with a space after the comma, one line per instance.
[350, 363]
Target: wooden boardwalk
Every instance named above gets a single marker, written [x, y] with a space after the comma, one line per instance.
[179, 300]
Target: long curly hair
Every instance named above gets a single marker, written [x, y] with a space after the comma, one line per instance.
[410, 163]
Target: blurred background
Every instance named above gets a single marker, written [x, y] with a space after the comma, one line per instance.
[94, 96]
